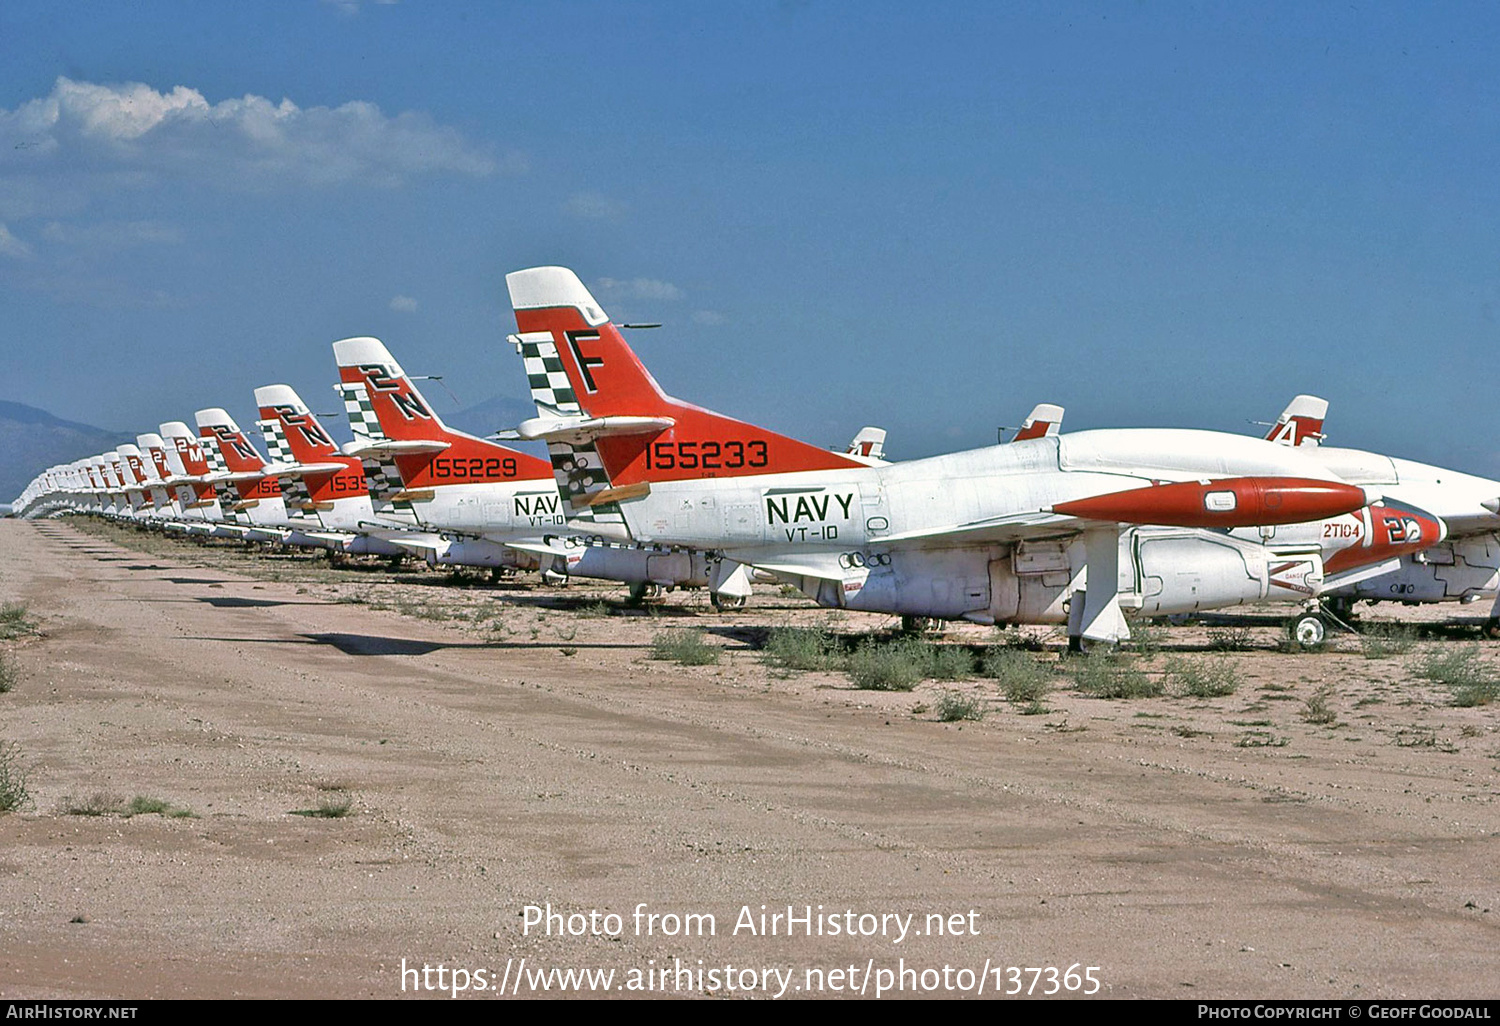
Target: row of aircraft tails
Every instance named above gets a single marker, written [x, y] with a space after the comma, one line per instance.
[1084, 529]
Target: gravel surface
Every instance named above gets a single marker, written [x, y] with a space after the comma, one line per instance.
[357, 767]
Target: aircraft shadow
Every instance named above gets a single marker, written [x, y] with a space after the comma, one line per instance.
[231, 602]
[377, 644]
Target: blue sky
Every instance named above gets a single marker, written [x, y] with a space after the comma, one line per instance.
[928, 217]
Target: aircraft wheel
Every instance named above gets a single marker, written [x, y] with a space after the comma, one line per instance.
[643, 590]
[727, 603]
[1309, 630]
[1492, 628]
[918, 624]
[554, 578]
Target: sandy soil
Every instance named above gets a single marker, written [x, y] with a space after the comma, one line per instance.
[515, 745]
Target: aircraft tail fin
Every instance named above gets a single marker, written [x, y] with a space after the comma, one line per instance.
[400, 437]
[390, 407]
[1301, 423]
[868, 443]
[1044, 421]
[641, 433]
[292, 431]
[224, 440]
[582, 481]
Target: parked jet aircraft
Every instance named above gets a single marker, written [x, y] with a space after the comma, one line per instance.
[320, 481]
[1003, 534]
[493, 505]
[1464, 567]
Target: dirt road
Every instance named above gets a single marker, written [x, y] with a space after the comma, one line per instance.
[519, 754]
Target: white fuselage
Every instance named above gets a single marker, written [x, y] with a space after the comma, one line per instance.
[523, 518]
[966, 535]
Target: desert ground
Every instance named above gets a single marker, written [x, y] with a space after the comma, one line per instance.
[254, 775]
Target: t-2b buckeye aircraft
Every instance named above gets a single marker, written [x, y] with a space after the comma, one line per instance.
[1057, 528]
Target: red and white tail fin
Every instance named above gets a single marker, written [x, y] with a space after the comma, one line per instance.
[642, 434]
[868, 445]
[391, 420]
[156, 457]
[182, 444]
[295, 437]
[221, 434]
[1301, 423]
[135, 464]
[292, 431]
[1044, 421]
[230, 453]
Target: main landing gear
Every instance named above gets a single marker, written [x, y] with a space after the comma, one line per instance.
[727, 603]
[1308, 630]
[640, 591]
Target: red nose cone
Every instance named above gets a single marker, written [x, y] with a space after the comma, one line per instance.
[1229, 502]
[1396, 529]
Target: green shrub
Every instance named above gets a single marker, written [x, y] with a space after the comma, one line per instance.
[954, 706]
[14, 794]
[1210, 677]
[1111, 676]
[141, 805]
[1383, 640]
[330, 806]
[1020, 677]
[949, 662]
[801, 648]
[1470, 680]
[1146, 637]
[889, 666]
[685, 647]
[1316, 709]
[9, 675]
[13, 621]
[100, 803]
[1229, 639]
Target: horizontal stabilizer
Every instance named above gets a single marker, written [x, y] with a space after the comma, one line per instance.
[302, 469]
[578, 431]
[393, 447]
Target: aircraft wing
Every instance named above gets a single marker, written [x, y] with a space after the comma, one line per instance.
[301, 469]
[1012, 528]
[1484, 520]
[538, 548]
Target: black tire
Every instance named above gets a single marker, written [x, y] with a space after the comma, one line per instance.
[1492, 628]
[1308, 631]
[640, 591]
[727, 603]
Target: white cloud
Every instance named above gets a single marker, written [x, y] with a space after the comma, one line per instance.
[351, 7]
[249, 142]
[111, 234]
[11, 246]
[638, 288]
[404, 304]
[594, 206]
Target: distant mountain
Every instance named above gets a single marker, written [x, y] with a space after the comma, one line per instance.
[490, 416]
[31, 440]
